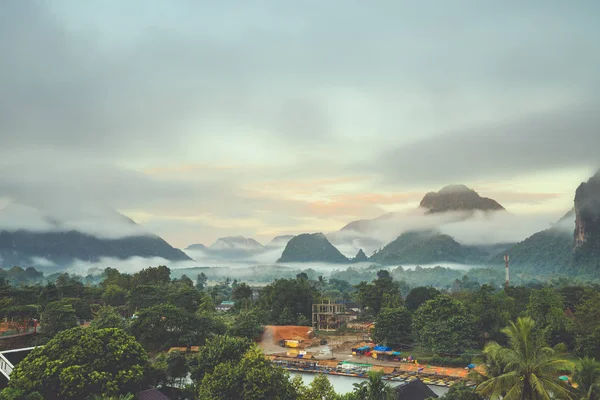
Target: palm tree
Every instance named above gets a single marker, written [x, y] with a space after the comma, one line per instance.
[587, 376]
[530, 370]
[493, 363]
[374, 388]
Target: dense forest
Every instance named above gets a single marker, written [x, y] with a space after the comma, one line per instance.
[136, 317]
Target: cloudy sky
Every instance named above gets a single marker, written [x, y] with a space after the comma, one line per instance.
[202, 119]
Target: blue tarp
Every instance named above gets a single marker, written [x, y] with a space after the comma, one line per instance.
[382, 348]
[471, 366]
[364, 348]
[396, 353]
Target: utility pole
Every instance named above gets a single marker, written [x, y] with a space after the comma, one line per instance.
[506, 258]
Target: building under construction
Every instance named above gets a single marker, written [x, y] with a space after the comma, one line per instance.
[330, 316]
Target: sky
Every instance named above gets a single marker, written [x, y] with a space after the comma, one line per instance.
[202, 119]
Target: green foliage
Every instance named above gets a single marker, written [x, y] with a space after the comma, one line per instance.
[295, 295]
[420, 295]
[546, 308]
[56, 317]
[587, 376]
[374, 388]
[531, 369]
[492, 311]
[247, 325]
[320, 388]
[152, 276]
[218, 349]
[144, 296]
[107, 317]
[78, 363]
[253, 377]
[165, 325]
[443, 325]
[383, 292]
[460, 391]
[201, 281]
[114, 296]
[393, 326]
[456, 362]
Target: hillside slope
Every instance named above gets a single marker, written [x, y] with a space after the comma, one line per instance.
[311, 248]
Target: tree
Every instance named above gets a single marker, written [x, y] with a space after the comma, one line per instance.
[319, 389]
[254, 377]
[241, 292]
[113, 276]
[247, 325]
[68, 286]
[177, 367]
[460, 391]
[114, 296]
[166, 325]
[443, 325]
[374, 388]
[201, 281]
[587, 376]
[531, 368]
[384, 291]
[144, 296]
[57, 317]
[546, 308]
[492, 312]
[107, 317]
[420, 295]
[160, 275]
[295, 295]
[79, 363]
[392, 326]
[218, 349]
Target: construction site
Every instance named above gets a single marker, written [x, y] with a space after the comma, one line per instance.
[301, 349]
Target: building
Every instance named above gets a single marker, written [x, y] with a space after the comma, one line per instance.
[330, 316]
[414, 390]
[9, 359]
[225, 306]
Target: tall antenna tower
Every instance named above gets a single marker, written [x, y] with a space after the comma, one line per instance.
[506, 258]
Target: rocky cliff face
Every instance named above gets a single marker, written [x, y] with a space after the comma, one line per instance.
[587, 214]
[458, 198]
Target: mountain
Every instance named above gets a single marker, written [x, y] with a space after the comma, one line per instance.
[279, 241]
[363, 225]
[196, 246]
[457, 198]
[27, 248]
[571, 246]
[236, 243]
[313, 247]
[549, 251]
[230, 247]
[360, 257]
[586, 254]
[34, 236]
[428, 247]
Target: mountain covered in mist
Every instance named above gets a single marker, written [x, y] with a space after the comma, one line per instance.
[311, 247]
[47, 238]
[428, 247]
[586, 254]
[458, 198]
[570, 247]
[230, 247]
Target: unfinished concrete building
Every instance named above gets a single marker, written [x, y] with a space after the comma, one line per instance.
[329, 316]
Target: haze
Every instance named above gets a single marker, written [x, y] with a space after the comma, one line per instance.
[208, 119]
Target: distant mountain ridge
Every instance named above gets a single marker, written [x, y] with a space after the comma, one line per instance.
[52, 240]
[62, 248]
